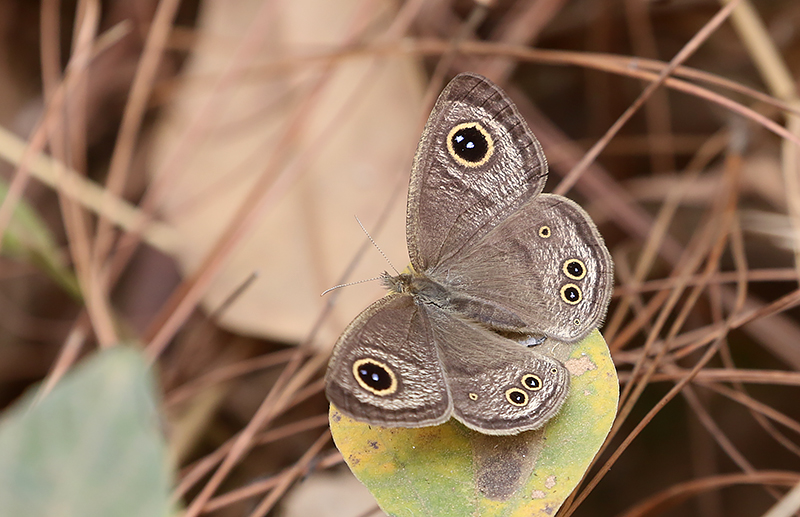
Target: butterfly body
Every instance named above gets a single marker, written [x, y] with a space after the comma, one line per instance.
[443, 296]
[491, 256]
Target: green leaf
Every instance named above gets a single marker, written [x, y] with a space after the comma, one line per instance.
[451, 470]
[28, 238]
[91, 448]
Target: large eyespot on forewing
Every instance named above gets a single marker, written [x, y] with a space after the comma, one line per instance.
[385, 370]
[476, 163]
[375, 376]
[469, 144]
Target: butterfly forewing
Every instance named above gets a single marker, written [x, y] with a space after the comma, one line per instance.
[476, 163]
[385, 369]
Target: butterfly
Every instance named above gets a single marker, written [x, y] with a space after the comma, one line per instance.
[493, 261]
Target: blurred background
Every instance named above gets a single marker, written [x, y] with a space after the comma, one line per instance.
[185, 175]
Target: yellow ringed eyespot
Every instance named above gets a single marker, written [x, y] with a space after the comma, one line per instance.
[544, 232]
[571, 294]
[532, 382]
[517, 397]
[574, 268]
[375, 377]
[470, 144]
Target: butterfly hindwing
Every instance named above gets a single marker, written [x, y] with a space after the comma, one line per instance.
[546, 264]
[498, 385]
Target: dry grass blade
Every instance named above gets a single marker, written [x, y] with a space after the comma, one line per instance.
[679, 58]
[787, 506]
[677, 494]
[133, 116]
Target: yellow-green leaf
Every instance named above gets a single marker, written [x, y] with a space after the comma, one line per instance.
[451, 470]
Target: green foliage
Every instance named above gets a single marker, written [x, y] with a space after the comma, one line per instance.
[28, 238]
[451, 470]
[90, 448]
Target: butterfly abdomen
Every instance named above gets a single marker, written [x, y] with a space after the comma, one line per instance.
[490, 315]
[443, 296]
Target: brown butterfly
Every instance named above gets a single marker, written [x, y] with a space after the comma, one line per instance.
[491, 257]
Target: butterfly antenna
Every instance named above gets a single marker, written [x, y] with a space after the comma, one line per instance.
[326, 291]
[376, 247]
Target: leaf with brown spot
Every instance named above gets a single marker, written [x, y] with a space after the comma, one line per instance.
[451, 470]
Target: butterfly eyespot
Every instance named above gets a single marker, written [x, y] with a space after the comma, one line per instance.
[470, 144]
[571, 294]
[517, 397]
[555, 370]
[574, 268]
[577, 322]
[532, 382]
[544, 232]
[375, 377]
[473, 396]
